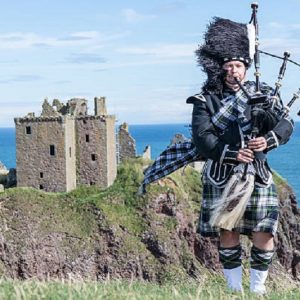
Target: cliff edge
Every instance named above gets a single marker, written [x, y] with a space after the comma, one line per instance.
[94, 233]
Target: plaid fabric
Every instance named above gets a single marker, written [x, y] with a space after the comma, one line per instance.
[235, 105]
[232, 110]
[179, 155]
[170, 160]
[260, 216]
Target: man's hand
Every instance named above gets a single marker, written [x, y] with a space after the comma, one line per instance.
[245, 155]
[257, 144]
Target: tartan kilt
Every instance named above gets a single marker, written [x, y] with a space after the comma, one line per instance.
[261, 213]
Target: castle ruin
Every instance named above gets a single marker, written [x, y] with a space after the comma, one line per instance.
[65, 147]
[126, 143]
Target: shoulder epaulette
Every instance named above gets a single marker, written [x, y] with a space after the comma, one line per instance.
[197, 97]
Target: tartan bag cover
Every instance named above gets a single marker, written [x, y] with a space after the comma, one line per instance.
[170, 160]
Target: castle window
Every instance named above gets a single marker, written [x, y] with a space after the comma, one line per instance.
[52, 150]
[94, 157]
[41, 187]
[70, 151]
[92, 183]
[87, 138]
[84, 121]
[28, 129]
[41, 175]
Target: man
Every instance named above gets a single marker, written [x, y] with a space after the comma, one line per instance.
[221, 126]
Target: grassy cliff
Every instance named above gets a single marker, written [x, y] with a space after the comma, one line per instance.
[99, 234]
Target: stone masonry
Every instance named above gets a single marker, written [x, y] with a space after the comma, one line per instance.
[127, 147]
[65, 147]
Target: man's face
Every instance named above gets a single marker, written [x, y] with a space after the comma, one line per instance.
[234, 69]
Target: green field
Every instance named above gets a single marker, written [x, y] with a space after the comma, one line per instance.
[211, 288]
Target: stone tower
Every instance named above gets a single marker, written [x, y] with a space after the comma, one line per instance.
[96, 146]
[127, 145]
[65, 147]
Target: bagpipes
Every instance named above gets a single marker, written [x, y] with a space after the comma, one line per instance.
[259, 99]
[228, 211]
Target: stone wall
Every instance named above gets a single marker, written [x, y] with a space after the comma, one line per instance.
[36, 166]
[65, 147]
[100, 106]
[70, 153]
[77, 107]
[127, 146]
[91, 151]
[111, 149]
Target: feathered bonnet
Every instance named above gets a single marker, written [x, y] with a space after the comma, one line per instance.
[225, 40]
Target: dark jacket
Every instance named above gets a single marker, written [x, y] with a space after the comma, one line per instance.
[220, 148]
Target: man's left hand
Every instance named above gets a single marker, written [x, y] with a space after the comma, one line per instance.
[258, 144]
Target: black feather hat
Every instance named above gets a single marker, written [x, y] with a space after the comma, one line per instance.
[225, 40]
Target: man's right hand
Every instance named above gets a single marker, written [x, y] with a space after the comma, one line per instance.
[245, 155]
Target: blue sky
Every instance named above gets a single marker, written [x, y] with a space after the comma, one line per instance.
[139, 54]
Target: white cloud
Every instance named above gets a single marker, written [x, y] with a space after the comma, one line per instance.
[21, 78]
[285, 27]
[279, 45]
[13, 110]
[86, 58]
[162, 51]
[82, 35]
[132, 16]
[275, 25]
[24, 40]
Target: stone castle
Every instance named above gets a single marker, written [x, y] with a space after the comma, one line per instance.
[65, 147]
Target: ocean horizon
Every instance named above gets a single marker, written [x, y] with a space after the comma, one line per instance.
[284, 160]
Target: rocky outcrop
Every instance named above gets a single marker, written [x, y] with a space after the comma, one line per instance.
[11, 179]
[288, 244]
[147, 153]
[7, 177]
[3, 173]
[95, 234]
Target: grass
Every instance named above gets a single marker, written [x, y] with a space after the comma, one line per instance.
[119, 207]
[212, 287]
[278, 179]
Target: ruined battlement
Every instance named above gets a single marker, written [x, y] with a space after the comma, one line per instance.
[102, 118]
[39, 119]
[65, 146]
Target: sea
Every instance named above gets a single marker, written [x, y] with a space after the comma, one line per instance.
[285, 160]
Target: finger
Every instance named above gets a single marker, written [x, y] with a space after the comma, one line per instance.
[245, 159]
[255, 140]
[258, 140]
[257, 145]
[252, 146]
[247, 152]
[253, 143]
[261, 148]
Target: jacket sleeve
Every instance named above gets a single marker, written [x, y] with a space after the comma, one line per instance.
[206, 137]
[281, 126]
[277, 127]
[280, 134]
